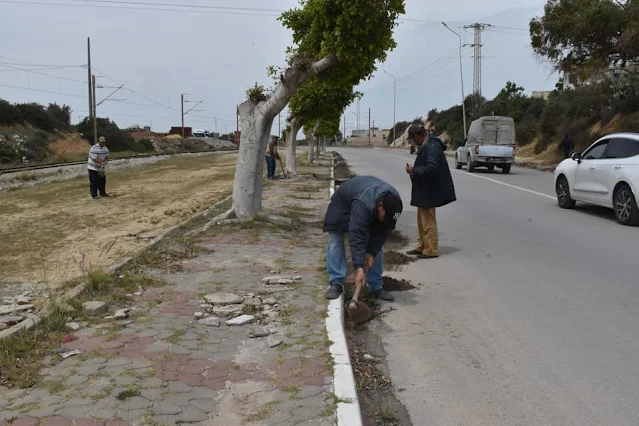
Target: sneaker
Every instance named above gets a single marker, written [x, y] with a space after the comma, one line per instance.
[333, 291]
[384, 295]
[96, 198]
[413, 252]
[106, 195]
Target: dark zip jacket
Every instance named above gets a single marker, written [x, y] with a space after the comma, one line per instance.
[353, 209]
[432, 182]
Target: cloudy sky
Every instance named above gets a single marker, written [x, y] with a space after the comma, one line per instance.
[212, 50]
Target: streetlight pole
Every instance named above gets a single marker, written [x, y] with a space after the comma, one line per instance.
[394, 101]
[461, 73]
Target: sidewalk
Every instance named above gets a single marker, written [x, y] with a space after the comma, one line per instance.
[171, 351]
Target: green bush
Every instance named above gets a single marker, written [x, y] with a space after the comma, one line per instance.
[35, 148]
[9, 114]
[61, 116]
[145, 145]
[8, 153]
[117, 140]
[37, 116]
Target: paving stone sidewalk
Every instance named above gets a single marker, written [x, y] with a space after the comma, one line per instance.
[173, 354]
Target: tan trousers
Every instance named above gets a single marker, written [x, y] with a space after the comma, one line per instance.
[427, 228]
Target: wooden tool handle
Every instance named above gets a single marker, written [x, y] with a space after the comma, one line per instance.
[358, 288]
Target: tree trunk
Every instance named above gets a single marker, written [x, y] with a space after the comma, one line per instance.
[311, 149]
[257, 119]
[247, 187]
[291, 149]
[311, 143]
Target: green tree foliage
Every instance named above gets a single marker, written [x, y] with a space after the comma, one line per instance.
[586, 36]
[358, 32]
[329, 126]
[9, 114]
[49, 119]
[117, 140]
[61, 116]
[37, 116]
[319, 97]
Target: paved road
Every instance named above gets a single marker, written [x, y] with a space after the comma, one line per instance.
[530, 317]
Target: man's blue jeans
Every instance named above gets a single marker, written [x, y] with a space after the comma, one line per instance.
[336, 263]
[270, 167]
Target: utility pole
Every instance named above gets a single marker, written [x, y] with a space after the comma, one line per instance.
[89, 77]
[395, 101]
[357, 113]
[237, 118]
[461, 73]
[182, 103]
[184, 113]
[369, 126]
[478, 28]
[95, 112]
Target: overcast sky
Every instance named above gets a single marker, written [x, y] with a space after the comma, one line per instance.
[214, 54]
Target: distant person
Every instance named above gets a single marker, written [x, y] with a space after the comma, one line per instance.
[98, 159]
[566, 146]
[432, 187]
[271, 156]
[366, 208]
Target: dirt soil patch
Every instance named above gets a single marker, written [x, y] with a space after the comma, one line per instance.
[392, 284]
[375, 391]
[53, 232]
[394, 258]
[342, 171]
[70, 145]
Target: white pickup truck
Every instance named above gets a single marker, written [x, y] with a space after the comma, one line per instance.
[490, 143]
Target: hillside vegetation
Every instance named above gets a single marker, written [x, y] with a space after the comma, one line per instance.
[585, 113]
[33, 133]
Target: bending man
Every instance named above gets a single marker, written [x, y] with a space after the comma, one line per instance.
[366, 208]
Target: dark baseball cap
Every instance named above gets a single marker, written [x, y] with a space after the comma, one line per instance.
[393, 206]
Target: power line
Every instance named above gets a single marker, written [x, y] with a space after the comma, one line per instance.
[13, 69]
[188, 6]
[125, 7]
[229, 10]
[42, 91]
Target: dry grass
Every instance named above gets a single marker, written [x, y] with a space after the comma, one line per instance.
[53, 232]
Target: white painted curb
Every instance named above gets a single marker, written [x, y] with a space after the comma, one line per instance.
[348, 411]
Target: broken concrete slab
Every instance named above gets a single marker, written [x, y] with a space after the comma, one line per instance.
[256, 332]
[12, 309]
[210, 322]
[241, 320]
[93, 308]
[222, 299]
[228, 310]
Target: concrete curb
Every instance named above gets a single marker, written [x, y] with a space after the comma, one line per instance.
[33, 320]
[348, 410]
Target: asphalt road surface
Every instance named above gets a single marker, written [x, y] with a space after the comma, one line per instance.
[529, 317]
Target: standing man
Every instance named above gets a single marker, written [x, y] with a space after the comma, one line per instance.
[432, 187]
[98, 159]
[566, 146]
[271, 156]
[366, 208]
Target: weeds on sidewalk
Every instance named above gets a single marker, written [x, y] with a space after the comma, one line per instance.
[22, 355]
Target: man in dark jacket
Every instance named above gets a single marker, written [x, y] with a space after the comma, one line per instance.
[432, 187]
[566, 146]
[367, 208]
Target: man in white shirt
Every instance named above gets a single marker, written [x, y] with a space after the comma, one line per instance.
[98, 158]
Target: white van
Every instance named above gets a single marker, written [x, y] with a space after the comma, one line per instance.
[490, 143]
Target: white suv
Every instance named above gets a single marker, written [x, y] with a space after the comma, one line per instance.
[606, 174]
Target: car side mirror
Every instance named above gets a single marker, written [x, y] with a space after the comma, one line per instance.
[577, 157]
